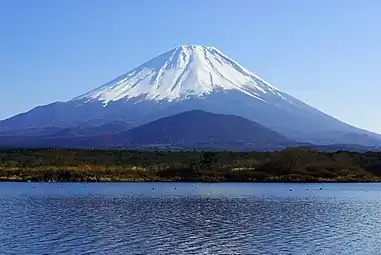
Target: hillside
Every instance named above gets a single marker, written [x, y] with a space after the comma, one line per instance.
[197, 128]
[193, 129]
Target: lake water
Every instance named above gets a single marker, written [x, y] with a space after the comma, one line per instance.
[189, 218]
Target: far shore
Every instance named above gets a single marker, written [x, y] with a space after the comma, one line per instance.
[121, 179]
[287, 166]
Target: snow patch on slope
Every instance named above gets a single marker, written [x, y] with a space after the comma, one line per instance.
[184, 72]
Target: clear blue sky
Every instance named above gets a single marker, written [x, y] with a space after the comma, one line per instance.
[326, 53]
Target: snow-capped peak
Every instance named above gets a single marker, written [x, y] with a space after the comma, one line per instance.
[183, 72]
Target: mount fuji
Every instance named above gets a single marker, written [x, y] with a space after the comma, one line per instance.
[193, 77]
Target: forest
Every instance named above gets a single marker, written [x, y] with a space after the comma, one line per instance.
[289, 165]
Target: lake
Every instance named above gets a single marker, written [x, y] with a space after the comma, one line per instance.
[189, 218]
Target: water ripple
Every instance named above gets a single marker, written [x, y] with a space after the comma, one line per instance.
[194, 219]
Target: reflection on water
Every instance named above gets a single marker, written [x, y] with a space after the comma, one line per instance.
[174, 218]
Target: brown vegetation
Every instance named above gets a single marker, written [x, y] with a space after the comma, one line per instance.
[290, 165]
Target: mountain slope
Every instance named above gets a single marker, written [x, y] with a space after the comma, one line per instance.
[193, 129]
[199, 128]
[193, 77]
[109, 128]
[181, 73]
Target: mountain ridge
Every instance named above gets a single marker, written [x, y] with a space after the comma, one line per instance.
[194, 77]
[188, 70]
[192, 129]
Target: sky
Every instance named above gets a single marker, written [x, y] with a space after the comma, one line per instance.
[325, 53]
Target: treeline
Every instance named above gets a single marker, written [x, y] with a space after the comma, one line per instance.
[290, 165]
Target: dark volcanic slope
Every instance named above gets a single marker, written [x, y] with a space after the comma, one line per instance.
[193, 129]
[85, 129]
[200, 128]
[109, 128]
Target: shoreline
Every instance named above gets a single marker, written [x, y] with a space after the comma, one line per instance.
[10, 180]
[287, 166]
